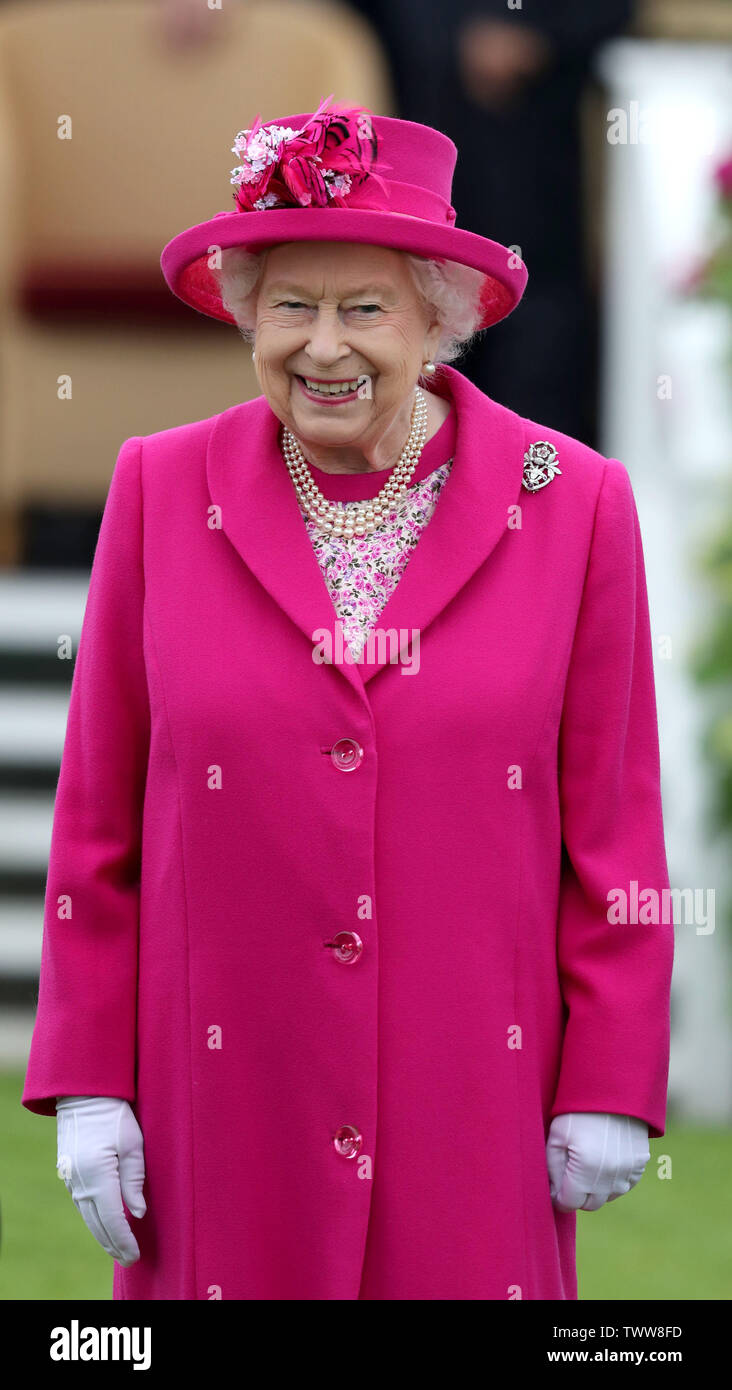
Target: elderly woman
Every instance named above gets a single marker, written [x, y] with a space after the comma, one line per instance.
[355, 973]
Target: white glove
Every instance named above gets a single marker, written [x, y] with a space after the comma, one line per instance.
[594, 1158]
[100, 1158]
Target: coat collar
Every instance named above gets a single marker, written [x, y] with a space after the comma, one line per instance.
[261, 518]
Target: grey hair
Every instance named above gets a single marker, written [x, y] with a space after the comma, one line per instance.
[449, 290]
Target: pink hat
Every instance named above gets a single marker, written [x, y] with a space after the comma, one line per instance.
[342, 174]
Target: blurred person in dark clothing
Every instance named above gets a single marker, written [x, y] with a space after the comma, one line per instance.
[505, 84]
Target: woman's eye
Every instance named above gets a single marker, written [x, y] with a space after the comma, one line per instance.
[298, 304]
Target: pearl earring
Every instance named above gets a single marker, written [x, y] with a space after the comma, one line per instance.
[254, 358]
[429, 368]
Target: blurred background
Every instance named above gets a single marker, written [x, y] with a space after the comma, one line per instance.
[594, 137]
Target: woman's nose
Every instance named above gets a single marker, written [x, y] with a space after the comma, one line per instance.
[326, 341]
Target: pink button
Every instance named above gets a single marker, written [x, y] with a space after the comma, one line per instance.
[347, 1141]
[346, 754]
[347, 947]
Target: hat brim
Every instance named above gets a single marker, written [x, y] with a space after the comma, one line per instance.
[184, 261]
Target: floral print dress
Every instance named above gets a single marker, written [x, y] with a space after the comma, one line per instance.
[361, 572]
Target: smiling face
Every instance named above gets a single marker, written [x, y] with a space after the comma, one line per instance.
[339, 312]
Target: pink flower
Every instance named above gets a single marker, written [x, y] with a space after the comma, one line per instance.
[304, 180]
[317, 166]
[723, 177]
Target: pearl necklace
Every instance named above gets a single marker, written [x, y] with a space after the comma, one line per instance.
[357, 518]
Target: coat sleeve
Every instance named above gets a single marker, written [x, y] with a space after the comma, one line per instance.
[84, 1035]
[615, 978]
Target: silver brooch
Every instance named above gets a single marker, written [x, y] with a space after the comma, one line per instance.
[540, 465]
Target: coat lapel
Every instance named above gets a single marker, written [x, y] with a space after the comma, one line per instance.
[248, 480]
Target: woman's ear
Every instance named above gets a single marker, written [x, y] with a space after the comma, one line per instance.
[432, 341]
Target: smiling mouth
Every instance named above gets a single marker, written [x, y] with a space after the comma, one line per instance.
[329, 391]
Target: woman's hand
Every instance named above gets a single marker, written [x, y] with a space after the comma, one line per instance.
[594, 1158]
[100, 1158]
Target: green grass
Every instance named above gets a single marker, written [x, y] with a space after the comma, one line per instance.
[47, 1251]
[669, 1238]
[665, 1239]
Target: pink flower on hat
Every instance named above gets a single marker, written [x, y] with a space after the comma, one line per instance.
[312, 167]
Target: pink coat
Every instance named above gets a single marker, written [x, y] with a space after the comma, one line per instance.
[210, 845]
